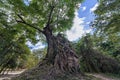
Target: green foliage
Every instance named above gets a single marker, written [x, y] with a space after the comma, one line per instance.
[37, 13]
[32, 60]
[40, 53]
[14, 53]
[84, 48]
[107, 16]
[107, 27]
[92, 60]
[12, 47]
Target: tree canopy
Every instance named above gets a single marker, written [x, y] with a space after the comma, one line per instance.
[26, 15]
[108, 16]
[107, 26]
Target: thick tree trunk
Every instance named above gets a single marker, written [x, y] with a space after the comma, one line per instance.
[60, 63]
[66, 58]
[50, 50]
[60, 54]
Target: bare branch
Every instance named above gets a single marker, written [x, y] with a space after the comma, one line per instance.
[30, 25]
[21, 18]
[50, 16]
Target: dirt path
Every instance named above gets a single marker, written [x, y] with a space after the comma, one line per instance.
[15, 73]
[10, 75]
[103, 77]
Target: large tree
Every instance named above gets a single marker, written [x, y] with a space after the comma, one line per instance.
[46, 17]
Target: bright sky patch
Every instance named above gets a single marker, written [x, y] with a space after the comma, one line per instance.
[82, 19]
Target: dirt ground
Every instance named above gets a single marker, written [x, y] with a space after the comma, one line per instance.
[10, 75]
[15, 73]
[103, 76]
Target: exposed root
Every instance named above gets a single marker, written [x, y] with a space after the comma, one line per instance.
[48, 72]
[60, 64]
[94, 61]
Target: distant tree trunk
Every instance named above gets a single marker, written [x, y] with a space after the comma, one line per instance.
[60, 54]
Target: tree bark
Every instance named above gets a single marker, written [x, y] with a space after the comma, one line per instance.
[60, 54]
[60, 62]
[50, 50]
